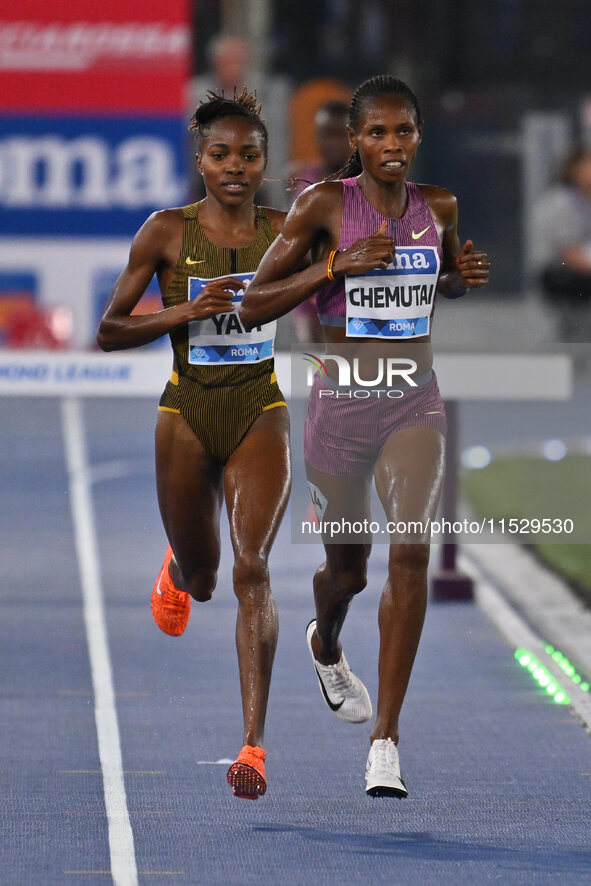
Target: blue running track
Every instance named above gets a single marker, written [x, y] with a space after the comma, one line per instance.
[499, 776]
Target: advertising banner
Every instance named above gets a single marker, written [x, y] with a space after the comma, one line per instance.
[92, 140]
[117, 56]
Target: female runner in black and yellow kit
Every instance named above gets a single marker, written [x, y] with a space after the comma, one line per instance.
[223, 426]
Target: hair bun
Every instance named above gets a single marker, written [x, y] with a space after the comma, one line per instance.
[216, 105]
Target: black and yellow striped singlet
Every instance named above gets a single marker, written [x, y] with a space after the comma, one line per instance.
[218, 402]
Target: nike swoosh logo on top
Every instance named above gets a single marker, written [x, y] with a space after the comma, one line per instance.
[418, 236]
[331, 704]
[158, 591]
[196, 261]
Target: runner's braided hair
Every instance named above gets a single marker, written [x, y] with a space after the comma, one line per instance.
[244, 104]
[383, 84]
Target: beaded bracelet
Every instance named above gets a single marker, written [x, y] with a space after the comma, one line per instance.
[331, 259]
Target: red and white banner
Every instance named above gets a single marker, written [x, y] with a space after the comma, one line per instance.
[117, 56]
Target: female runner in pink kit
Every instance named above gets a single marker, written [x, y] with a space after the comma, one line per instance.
[380, 246]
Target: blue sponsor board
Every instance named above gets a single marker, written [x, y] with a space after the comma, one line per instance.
[89, 175]
[18, 284]
[150, 302]
[18, 291]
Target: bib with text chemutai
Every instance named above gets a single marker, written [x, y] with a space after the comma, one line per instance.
[397, 301]
[222, 339]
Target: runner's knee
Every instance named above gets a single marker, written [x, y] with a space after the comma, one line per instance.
[409, 558]
[343, 580]
[250, 575]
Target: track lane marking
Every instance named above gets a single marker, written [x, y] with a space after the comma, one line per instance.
[519, 634]
[121, 847]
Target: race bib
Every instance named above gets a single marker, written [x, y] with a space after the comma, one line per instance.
[222, 339]
[397, 301]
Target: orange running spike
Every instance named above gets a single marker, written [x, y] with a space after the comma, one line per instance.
[247, 774]
[170, 607]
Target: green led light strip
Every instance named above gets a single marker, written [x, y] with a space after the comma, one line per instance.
[541, 676]
[563, 662]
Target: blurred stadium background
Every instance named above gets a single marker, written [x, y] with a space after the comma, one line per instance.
[93, 137]
[95, 105]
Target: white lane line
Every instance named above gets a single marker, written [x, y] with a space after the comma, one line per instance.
[518, 633]
[123, 863]
[542, 597]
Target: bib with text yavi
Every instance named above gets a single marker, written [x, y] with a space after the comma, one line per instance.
[222, 339]
[397, 301]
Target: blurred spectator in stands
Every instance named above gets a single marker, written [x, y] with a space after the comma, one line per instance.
[228, 57]
[332, 144]
[562, 245]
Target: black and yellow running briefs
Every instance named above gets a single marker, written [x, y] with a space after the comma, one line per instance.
[218, 401]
